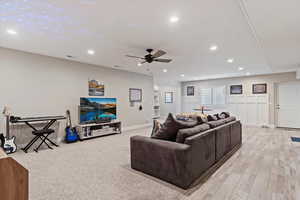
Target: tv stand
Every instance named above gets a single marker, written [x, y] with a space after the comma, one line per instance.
[88, 131]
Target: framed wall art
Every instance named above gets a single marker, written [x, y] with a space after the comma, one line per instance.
[259, 88]
[236, 89]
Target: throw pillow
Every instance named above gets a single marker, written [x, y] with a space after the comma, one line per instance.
[169, 129]
[222, 116]
[226, 114]
[212, 118]
[156, 127]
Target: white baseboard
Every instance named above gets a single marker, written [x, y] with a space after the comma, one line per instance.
[261, 126]
[134, 127]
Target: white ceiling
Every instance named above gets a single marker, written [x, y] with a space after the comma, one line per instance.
[262, 36]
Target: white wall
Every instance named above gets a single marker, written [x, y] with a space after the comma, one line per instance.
[175, 107]
[251, 108]
[34, 85]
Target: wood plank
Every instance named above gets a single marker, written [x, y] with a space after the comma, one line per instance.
[13, 181]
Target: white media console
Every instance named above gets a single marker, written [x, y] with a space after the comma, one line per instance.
[87, 131]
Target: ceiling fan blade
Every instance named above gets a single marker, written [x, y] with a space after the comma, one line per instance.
[163, 60]
[134, 57]
[159, 53]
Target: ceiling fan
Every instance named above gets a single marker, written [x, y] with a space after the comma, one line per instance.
[149, 58]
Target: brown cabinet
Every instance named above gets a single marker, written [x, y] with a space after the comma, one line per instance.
[13, 179]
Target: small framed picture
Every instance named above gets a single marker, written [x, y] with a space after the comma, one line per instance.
[259, 88]
[190, 91]
[135, 95]
[169, 97]
[236, 89]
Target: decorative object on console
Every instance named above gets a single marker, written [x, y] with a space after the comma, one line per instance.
[96, 88]
[168, 97]
[190, 90]
[236, 89]
[97, 110]
[71, 132]
[259, 88]
[169, 129]
[9, 143]
[135, 95]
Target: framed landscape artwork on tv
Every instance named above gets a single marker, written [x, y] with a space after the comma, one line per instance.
[236, 89]
[259, 88]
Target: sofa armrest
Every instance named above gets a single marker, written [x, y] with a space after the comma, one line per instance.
[160, 158]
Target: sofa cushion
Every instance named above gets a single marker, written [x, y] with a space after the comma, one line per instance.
[169, 129]
[230, 119]
[212, 118]
[187, 132]
[214, 124]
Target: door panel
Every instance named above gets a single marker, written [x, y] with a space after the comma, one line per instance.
[289, 105]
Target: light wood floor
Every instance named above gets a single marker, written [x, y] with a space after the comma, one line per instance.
[267, 167]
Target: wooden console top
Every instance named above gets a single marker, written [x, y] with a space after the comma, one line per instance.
[2, 154]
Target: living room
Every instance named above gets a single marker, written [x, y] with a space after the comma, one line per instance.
[149, 100]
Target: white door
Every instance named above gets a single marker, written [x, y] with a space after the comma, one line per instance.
[289, 105]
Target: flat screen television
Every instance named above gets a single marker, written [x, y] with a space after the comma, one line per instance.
[93, 109]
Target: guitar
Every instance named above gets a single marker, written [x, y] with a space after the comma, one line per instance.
[9, 143]
[71, 132]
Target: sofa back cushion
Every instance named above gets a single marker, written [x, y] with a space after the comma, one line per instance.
[169, 129]
[188, 132]
[214, 124]
[230, 119]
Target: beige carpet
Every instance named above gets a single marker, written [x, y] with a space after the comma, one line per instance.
[99, 169]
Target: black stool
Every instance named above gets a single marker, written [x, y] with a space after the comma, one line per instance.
[43, 135]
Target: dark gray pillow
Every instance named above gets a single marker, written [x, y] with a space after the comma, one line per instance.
[226, 114]
[201, 119]
[169, 129]
[188, 132]
[214, 124]
[212, 118]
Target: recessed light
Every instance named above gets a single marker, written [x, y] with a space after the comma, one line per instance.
[139, 64]
[91, 52]
[11, 31]
[241, 68]
[165, 70]
[174, 19]
[182, 75]
[230, 60]
[213, 48]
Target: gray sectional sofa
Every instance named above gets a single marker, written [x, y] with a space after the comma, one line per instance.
[196, 150]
